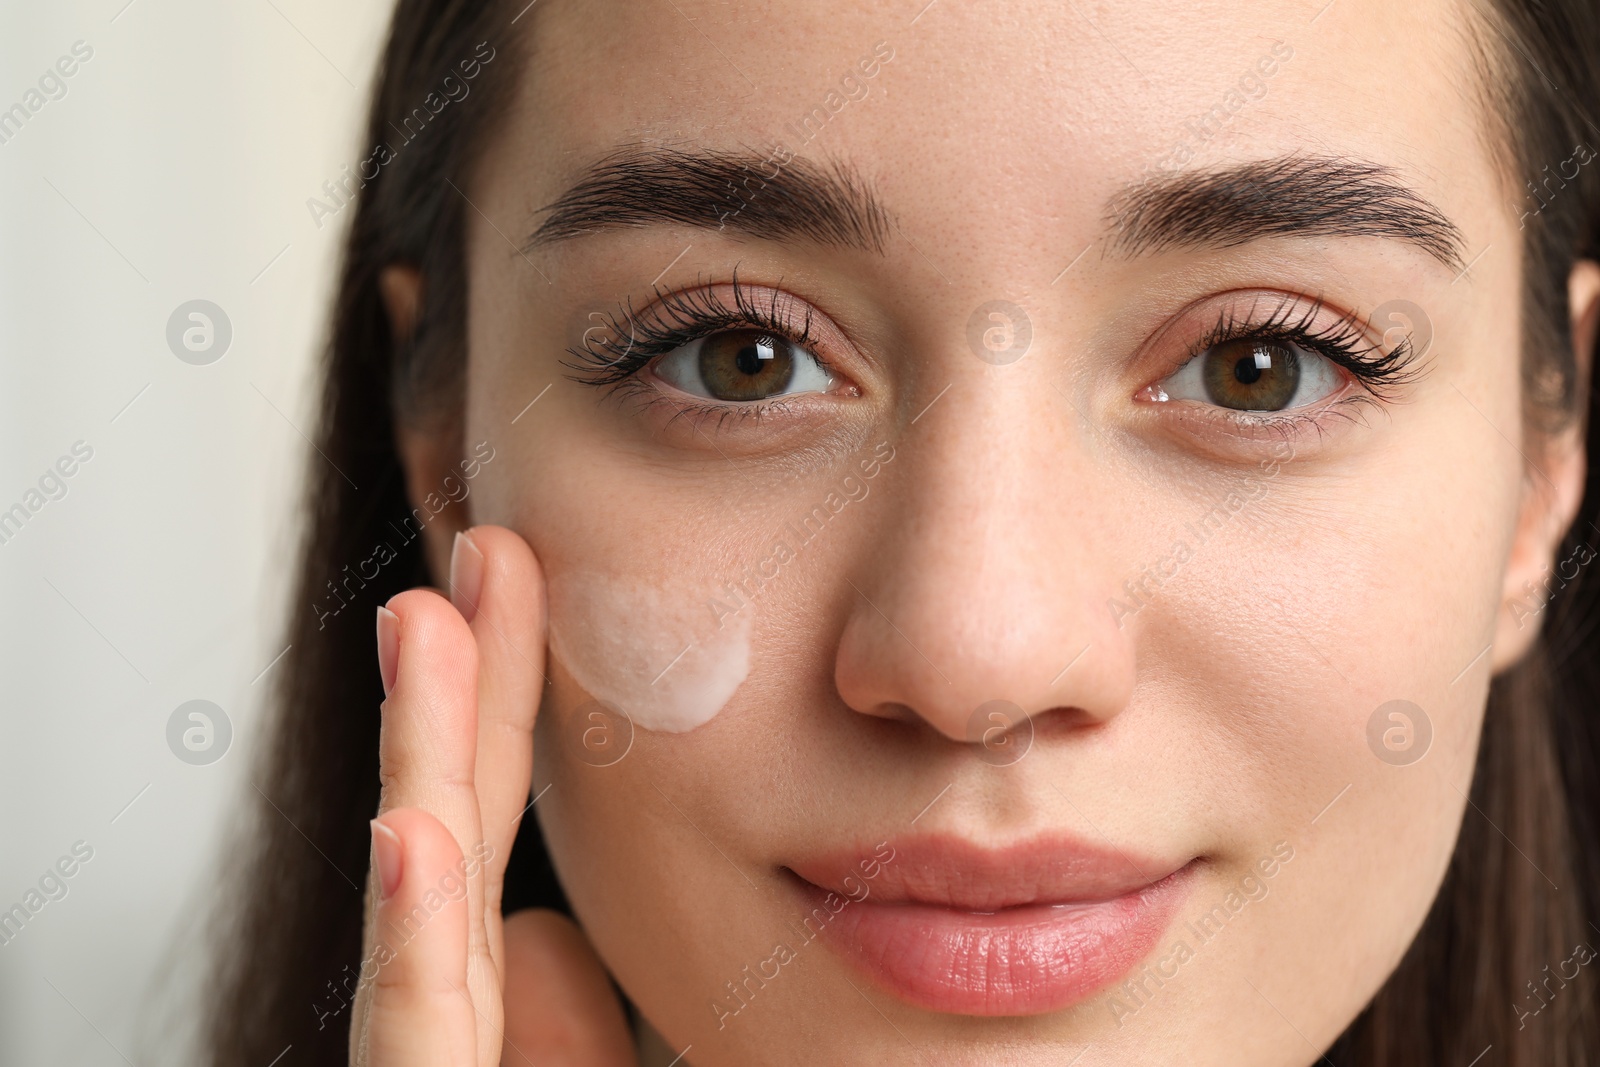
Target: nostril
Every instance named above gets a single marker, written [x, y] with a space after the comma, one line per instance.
[1064, 720]
[891, 710]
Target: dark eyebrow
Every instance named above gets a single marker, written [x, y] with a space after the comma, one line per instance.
[748, 193]
[1291, 196]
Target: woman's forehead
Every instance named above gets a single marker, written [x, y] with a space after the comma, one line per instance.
[1054, 111]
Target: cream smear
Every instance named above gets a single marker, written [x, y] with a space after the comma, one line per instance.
[651, 652]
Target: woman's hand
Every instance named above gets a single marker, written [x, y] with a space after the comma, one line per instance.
[443, 980]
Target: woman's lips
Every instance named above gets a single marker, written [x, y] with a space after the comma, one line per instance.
[954, 927]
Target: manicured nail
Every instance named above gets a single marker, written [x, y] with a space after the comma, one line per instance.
[387, 854]
[466, 575]
[388, 647]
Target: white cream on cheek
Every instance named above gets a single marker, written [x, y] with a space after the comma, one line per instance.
[655, 653]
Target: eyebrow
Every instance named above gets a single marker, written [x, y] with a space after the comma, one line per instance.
[745, 192]
[1290, 196]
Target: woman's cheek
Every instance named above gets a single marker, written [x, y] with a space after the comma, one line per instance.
[656, 651]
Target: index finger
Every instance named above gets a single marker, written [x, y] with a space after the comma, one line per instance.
[497, 585]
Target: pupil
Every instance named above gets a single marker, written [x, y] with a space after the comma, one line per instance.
[755, 357]
[1246, 372]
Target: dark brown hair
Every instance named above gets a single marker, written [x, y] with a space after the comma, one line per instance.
[1525, 876]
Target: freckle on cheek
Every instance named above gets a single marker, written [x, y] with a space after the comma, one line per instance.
[653, 652]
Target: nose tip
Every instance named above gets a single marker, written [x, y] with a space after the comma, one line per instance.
[977, 682]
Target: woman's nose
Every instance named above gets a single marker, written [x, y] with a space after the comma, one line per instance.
[987, 595]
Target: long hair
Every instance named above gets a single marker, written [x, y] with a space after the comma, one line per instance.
[288, 950]
[1525, 875]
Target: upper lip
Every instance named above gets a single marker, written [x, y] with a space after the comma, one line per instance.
[952, 872]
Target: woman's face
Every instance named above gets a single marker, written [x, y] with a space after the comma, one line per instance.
[935, 472]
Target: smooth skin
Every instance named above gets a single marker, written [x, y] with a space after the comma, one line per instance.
[1228, 714]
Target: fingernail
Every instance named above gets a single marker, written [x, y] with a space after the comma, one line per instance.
[466, 575]
[388, 647]
[386, 857]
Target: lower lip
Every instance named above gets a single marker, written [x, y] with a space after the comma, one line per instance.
[1020, 961]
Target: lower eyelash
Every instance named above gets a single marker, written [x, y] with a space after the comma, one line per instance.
[675, 319]
[1290, 425]
[648, 397]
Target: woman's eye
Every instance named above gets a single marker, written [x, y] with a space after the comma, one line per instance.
[743, 365]
[1255, 375]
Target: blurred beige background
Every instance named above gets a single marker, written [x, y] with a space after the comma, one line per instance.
[173, 164]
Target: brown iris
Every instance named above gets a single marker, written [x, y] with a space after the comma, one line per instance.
[745, 364]
[1249, 375]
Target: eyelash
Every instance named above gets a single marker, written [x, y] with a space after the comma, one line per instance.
[1344, 341]
[675, 319]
